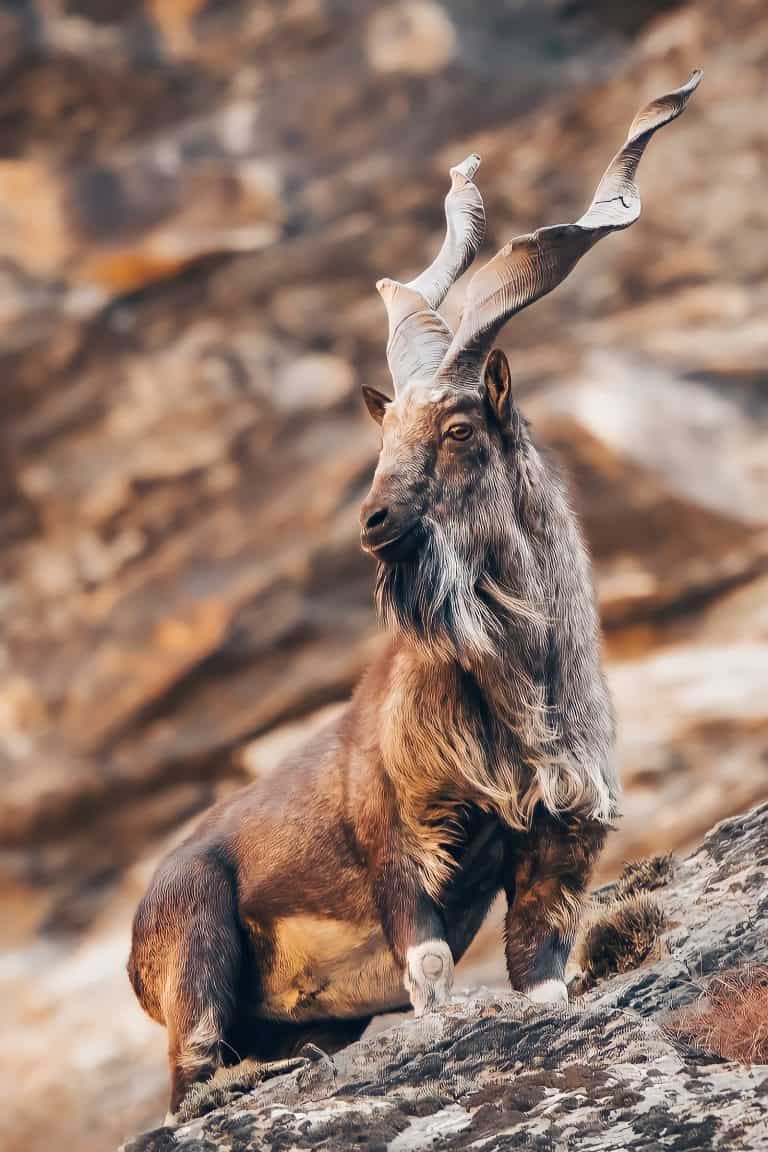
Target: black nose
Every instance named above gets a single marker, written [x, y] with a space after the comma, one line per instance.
[376, 518]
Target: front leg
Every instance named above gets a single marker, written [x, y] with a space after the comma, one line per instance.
[428, 976]
[547, 872]
[415, 931]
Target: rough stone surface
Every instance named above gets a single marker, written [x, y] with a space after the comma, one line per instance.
[493, 1071]
[197, 199]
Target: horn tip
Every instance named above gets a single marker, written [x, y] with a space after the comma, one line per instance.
[463, 173]
[664, 109]
[387, 288]
[685, 91]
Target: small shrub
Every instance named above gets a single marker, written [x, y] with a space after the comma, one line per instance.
[645, 875]
[618, 937]
[730, 1020]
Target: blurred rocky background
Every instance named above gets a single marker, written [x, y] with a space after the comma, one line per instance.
[196, 197]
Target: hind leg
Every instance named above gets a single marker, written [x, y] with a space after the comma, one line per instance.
[269, 1048]
[265, 1049]
[547, 874]
[185, 963]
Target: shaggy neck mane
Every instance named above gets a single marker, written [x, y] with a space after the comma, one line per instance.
[452, 610]
[475, 608]
[474, 589]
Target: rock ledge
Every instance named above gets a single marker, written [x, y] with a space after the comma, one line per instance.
[496, 1072]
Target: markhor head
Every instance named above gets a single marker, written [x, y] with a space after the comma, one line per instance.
[445, 514]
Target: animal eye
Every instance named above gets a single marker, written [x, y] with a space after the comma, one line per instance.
[460, 431]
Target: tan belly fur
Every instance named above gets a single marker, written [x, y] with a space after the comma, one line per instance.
[329, 968]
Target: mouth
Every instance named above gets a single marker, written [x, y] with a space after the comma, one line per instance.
[398, 547]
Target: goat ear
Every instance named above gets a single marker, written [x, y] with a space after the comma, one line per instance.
[498, 386]
[376, 402]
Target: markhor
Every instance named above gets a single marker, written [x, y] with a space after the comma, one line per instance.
[475, 755]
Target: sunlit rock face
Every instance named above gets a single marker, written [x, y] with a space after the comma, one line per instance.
[196, 202]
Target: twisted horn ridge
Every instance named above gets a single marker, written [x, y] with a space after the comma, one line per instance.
[530, 266]
[464, 233]
[418, 336]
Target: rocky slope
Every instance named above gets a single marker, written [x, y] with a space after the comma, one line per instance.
[497, 1072]
[196, 200]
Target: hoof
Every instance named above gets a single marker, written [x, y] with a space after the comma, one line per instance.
[429, 975]
[548, 992]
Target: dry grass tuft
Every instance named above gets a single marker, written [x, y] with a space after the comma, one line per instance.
[227, 1084]
[618, 937]
[730, 1019]
[645, 875]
